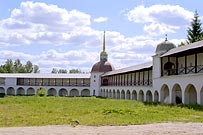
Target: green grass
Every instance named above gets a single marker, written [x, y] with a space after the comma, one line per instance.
[35, 111]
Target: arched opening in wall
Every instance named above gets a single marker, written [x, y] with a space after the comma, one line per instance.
[51, 92]
[134, 95]
[149, 96]
[2, 90]
[85, 93]
[105, 82]
[201, 96]
[30, 91]
[74, 93]
[156, 96]
[63, 92]
[165, 94]
[176, 94]
[169, 68]
[190, 95]
[128, 94]
[141, 96]
[10, 91]
[118, 94]
[102, 91]
[110, 94]
[101, 94]
[107, 93]
[20, 91]
[114, 94]
[122, 94]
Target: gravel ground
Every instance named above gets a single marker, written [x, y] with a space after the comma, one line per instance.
[146, 129]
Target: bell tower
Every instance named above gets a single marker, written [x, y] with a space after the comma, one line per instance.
[103, 54]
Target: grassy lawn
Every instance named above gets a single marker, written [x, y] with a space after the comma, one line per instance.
[33, 110]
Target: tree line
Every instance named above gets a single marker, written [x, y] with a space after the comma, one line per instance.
[16, 66]
[64, 71]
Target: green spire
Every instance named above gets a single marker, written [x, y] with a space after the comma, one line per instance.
[104, 43]
[103, 54]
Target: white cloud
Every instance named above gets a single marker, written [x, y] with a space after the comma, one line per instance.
[44, 24]
[100, 19]
[161, 28]
[51, 58]
[35, 23]
[159, 18]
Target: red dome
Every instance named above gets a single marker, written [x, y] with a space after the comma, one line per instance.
[102, 66]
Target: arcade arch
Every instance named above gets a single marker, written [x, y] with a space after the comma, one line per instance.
[149, 96]
[156, 96]
[30, 91]
[118, 94]
[20, 91]
[122, 94]
[51, 92]
[114, 94]
[201, 96]
[190, 94]
[2, 90]
[128, 94]
[10, 91]
[110, 94]
[141, 96]
[85, 92]
[134, 95]
[74, 93]
[164, 94]
[63, 92]
[176, 94]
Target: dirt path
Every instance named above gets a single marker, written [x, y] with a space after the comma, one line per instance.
[147, 129]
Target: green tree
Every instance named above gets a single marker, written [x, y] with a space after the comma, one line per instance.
[195, 32]
[54, 71]
[9, 67]
[41, 91]
[73, 71]
[62, 71]
[18, 67]
[29, 67]
[36, 69]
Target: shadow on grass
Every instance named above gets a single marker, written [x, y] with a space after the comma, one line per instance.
[100, 97]
[191, 106]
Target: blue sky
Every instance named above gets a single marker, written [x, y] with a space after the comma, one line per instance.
[68, 34]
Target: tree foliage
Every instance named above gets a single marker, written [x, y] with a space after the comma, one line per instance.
[18, 67]
[60, 71]
[195, 32]
[41, 91]
[64, 71]
[73, 71]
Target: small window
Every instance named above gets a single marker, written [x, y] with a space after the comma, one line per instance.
[94, 76]
[93, 92]
[94, 80]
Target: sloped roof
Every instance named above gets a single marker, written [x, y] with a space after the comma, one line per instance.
[184, 48]
[44, 75]
[129, 69]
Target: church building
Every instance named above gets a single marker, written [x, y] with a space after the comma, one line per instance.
[175, 75]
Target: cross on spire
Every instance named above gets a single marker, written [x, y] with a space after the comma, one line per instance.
[166, 37]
